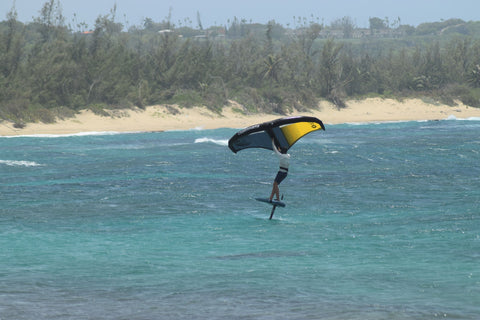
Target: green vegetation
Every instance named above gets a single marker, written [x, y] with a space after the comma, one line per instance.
[49, 69]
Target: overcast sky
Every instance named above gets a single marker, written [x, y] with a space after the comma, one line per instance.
[215, 12]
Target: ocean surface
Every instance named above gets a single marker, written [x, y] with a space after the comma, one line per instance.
[382, 222]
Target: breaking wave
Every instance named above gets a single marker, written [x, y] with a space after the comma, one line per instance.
[220, 142]
[21, 163]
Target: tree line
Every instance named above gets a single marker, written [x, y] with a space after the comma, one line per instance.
[49, 69]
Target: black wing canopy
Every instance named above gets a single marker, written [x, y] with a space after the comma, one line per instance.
[284, 131]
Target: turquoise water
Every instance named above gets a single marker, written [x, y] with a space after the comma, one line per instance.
[382, 222]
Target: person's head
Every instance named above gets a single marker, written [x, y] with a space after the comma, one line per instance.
[282, 150]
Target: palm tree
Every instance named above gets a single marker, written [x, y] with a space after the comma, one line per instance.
[272, 67]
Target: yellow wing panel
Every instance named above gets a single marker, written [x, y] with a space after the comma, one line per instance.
[295, 131]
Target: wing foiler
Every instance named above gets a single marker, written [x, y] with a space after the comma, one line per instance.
[284, 131]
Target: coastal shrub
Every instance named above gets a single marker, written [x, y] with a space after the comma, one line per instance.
[161, 96]
[99, 109]
[466, 94]
[22, 112]
[140, 95]
[472, 98]
[63, 113]
[19, 125]
[306, 99]
[186, 98]
[78, 101]
[276, 100]
[250, 98]
[446, 99]
[36, 113]
[172, 110]
[337, 97]
[15, 110]
[215, 97]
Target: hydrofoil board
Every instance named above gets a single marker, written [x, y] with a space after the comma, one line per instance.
[273, 202]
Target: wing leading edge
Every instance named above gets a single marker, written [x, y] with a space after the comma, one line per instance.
[284, 131]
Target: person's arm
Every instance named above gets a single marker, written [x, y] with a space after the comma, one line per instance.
[274, 147]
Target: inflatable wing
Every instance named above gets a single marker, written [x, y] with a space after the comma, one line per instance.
[284, 131]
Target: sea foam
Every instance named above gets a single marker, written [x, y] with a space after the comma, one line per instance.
[79, 134]
[21, 163]
[452, 117]
[220, 142]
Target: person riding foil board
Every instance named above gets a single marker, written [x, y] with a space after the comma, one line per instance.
[284, 160]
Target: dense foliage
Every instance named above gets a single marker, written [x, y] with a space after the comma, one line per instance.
[49, 69]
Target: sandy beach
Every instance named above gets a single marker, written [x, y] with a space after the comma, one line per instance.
[160, 118]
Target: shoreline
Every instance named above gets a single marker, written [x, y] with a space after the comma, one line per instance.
[160, 118]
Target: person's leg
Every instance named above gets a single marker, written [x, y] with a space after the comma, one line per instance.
[274, 190]
[277, 191]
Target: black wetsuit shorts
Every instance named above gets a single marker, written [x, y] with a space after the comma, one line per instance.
[280, 177]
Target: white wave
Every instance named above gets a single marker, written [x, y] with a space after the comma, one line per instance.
[452, 117]
[210, 140]
[16, 163]
[367, 123]
[186, 130]
[469, 119]
[79, 134]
